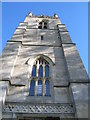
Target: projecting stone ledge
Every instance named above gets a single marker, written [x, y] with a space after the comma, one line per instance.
[51, 108]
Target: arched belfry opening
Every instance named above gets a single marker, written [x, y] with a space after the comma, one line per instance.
[43, 24]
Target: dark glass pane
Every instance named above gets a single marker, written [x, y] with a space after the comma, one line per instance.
[47, 88]
[39, 88]
[41, 37]
[34, 71]
[40, 72]
[32, 88]
[45, 23]
[40, 27]
[45, 27]
[46, 71]
[40, 23]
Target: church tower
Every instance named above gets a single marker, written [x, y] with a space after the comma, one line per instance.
[42, 76]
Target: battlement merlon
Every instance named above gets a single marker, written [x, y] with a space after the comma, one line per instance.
[31, 15]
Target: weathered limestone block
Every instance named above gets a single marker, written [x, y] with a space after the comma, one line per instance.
[32, 23]
[23, 23]
[18, 34]
[74, 64]
[19, 31]
[33, 51]
[17, 38]
[59, 71]
[31, 32]
[62, 28]
[60, 81]
[60, 75]
[62, 95]
[8, 57]
[33, 37]
[53, 23]
[10, 46]
[5, 71]
[20, 75]
[58, 53]
[8, 116]
[4, 86]
[64, 35]
[3, 92]
[80, 94]
[65, 38]
[17, 93]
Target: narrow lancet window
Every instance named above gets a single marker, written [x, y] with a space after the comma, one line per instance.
[34, 71]
[40, 72]
[39, 88]
[32, 88]
[46, 71]
[47, 88]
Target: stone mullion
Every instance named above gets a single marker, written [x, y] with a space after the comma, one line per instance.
[36, 80]
[43, 81]
[50, 80]
[50, 88]
[35, 86]
[42, 24]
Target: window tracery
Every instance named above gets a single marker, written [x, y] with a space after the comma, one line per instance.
[40, 82]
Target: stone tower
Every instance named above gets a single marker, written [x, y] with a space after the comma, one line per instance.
[42, 76]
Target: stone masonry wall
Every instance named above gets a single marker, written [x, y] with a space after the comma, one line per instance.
[67, 70]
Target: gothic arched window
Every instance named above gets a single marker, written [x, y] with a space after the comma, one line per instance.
[40, 86]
